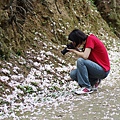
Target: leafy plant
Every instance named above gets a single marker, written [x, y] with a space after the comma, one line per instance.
[26, 89]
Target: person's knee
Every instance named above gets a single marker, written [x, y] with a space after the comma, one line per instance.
[80, 61]
[72, 74]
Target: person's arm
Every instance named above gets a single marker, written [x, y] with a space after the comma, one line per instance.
[84, 54]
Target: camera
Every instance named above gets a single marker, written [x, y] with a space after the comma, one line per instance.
[69, 46]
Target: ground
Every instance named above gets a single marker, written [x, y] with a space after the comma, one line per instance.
[45, 92]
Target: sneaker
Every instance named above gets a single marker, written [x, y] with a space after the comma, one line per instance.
[95, 87]
[83, 91]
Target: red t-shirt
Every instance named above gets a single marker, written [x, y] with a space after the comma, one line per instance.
[98, 52]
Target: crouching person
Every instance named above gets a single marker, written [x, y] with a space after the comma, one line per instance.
[93, 63]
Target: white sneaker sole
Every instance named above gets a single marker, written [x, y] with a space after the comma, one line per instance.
[80, 93]
[94, 89]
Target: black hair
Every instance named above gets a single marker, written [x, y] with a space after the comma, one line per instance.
[77, 36]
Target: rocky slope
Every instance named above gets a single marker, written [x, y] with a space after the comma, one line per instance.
[110, 10]
[52, 20]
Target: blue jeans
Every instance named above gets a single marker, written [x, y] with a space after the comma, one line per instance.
[87, 73]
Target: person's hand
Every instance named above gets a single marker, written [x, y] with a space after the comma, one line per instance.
[71, 50]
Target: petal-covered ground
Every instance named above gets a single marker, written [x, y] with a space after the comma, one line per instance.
[46, 93]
